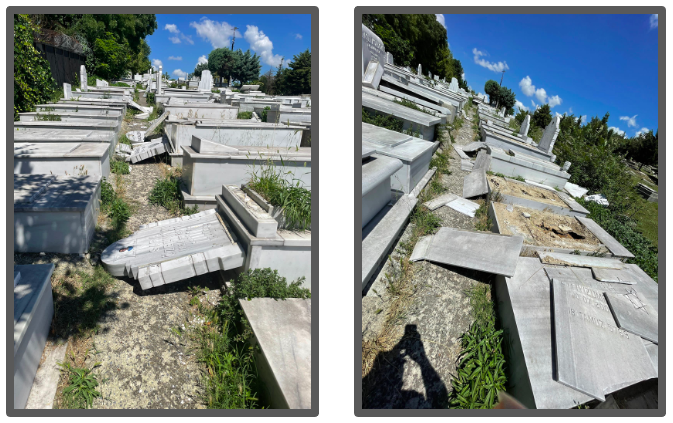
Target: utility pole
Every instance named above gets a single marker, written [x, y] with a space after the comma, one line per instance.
[497, 103]
[233, 40]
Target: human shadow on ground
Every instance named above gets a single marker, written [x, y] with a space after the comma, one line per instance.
[382, 386]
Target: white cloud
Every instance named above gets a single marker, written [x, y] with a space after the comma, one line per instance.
[643, 130]
[534, 105]
[172, 28]
[541, 95]
[187, 38]
[262, 45]
[202, 59]
[583, 119]
[218, 33]
[298, 37]
[175, 40]
[174, 58]
[178, 73]
[440, 19]
[179, 37]
[527, 86]
[495, 67]
[654, 21]
[630, 121]
[157, 63]
[570, 110]
[617, 130]
[554, 100]
[519, 105]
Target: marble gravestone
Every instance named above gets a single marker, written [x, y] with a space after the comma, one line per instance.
[549, 135]
[175, 249]
[419, 70]
[634, 315]
[67, 91]
[593, 355]
[159, 80]
[389, 59]
[82, 78]
[206, 83]
[453, 87]
[147, 150]
[523, 131]
[372, 48]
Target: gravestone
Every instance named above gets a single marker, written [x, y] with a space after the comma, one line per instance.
[483, 161]
[566, 166]
[372, 48]
[634, 315]
[159, 81]
[82, 79]
[389, 59]
[420, 70]
[523, 131]
[453, 86]
[373, 74]
[136, 136]
[436, 77]
[549, 135]
[206, 83]
[147, 150]
[475, 184]
[593, 355]
[102, 83]
[67, 91]
[175, 249]
[429, 74]
[155, 124]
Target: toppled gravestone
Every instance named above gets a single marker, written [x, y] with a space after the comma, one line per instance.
[175, 249]
[146, 151]
[155, 124]
[136, 136]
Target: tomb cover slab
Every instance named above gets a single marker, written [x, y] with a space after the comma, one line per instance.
[634, 315]
[175, 249]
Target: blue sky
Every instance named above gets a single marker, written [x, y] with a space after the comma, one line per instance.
[581, 64]
[180, 42]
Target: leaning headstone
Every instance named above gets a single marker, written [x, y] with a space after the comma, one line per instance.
[566, 166]
[483, 161]
[155, 124]
[523, 131]
[373, 75]
[549, 135]
[139, 107]
[372, 48]
[475, 184]
[634, 315]
[82, 79]
[593, 355]
[146, 151]
[174, 249]
[453, 86]
[136, 136]
[67, 91]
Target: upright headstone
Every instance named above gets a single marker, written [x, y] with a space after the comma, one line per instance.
[67, 91]
[82, 79]
[389, 59]
[420, 70]
[161, 68]
[429, 74]
[523, 131]
[566, 166]
[502, 111]
[453, 87]
[549, 136]
[206, 83]
[372, 48]
[102, 83]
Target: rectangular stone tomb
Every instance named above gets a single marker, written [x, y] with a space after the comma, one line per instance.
[547, 231]
[237, 133]
[376, 184]
[282, 330]
[634, 315]
[379, 137]
[475, 184]
[33, 311]
[432, 111]
[146, 150]
[413, 120]
[593, 355]
[443, 98]
[415, 156]
[265, 245]
[111, 104]
[208, 165]
[174, 98]
[55, 214]
[72, 107]
[65, 135]
[90, 125]
[450, 116]
[62, 159]
[69, 117]
[527, 168]
[175, 249]
[202, 111]
[485, 252]
[525, 313]
[535, 197]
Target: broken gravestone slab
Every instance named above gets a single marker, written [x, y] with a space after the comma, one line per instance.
[155, 124]
[124, 148]
[593, 355]
[137, 137]
[455, 202]
[175, 249]
[139, 107]
[634, 315]
[474, 146]
[485, 252]
[575, 190]
[579, 261]
[146, 151]
[483, 161]
[624, 275]
[475, 184]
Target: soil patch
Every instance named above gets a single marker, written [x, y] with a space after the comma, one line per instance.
[526, 191]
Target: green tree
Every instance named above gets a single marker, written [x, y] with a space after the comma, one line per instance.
[33, 83]
[492, 88]
[542, 116]
[140, 62]
[200, 68]
[112, 58]
[222, 62]
[506, 98]
[248, 67]
[279, 79]
[298, 78]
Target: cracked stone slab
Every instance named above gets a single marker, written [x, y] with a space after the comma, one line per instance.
[624, 275]
[136, 136]
[124, 148]
[467, 165]
[174, 249]
[593, 355]
[483, 161]
[579, 261]
[492, 253]
[634, 315]
[155, 124]
[146, 151]
[475, 184]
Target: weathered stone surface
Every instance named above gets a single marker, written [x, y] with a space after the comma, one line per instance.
[612, 244]
[475, 184]
[623, 275]
[82, 78]
[62, 158]
[155, 124]
[174, 249]
[593, 355]
[457, 203]
[376, 173]
[453, 87]
[485, 252]
[474, 146]
[67, 91]
[524, 126]
[283, 330]
[373, 74]
[136, 136]
[440, 201]
[549, 136]
[483, 161]
[579, 261]
[147, 150]
[634, 315]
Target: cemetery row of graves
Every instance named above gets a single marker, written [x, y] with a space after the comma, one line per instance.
[483, 269]
[236, 190]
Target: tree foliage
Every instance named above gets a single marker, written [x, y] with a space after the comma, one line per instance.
[542, 116]
[414, 39]
[507, 99]
[298, 76]
[200, 68]
[492, 88]
[112, 58]
[33, 83]
[225, 63]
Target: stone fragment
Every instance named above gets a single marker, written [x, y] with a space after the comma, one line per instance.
[526, 215]
[147, 150]
[634, 315]
[475, 184]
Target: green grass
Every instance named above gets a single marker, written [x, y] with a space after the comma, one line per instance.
[265, 113]
[648, 221]
[244, 115]
[410, 104]
[384, 121]
[118, 210]
[120, 84]
[151, 101]
[47, 117]
[119, 166]
[166, 193]
[293, 200]
[230, 379]
[81, 387]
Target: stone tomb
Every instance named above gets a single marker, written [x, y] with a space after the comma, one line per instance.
[257, 231]
[376, 183]
[504, 139]
[202, 111]
[69, 117]
[208, 165]
[593, 355]
[282, 329]
[414, 120]
[73, 107]
[55, 214]
[33, 311]
[62, 159]
[147, 150]
[513, 165]
[378, 137]
[175, 249]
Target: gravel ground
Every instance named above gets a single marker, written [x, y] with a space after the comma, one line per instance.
[416, 372]
[146, 366]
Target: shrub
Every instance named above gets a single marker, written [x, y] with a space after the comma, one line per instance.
[151, 100]
[244, 115]
[119, 166]
[265, 113]
[542, 116]
[384, 121]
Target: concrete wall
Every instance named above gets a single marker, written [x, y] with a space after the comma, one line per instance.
[64, 64]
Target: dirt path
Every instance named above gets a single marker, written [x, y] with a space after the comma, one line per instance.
[418, 351]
